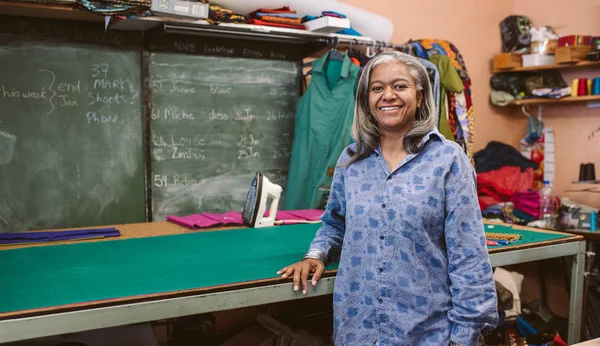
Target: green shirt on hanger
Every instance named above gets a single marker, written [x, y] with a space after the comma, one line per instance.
[324, 116]
[449, 81]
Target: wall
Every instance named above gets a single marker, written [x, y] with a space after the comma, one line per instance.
[473, 27]
[572, 123]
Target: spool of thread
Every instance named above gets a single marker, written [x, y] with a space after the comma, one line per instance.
[589, 86]
[574, 86]
[596, 86]
[587, 172]
[582, 87]
[593, 221]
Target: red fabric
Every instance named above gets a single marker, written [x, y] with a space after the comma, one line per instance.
[486, 201]
[502, 184]
[284, 9]
[262, 22]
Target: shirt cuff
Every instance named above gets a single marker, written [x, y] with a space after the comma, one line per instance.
[464, 336]
[316, 254]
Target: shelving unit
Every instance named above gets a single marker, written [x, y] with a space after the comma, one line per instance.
[550, 67]
[568, 99]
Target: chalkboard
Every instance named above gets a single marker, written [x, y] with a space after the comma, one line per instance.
[71, 134]
[215, 121]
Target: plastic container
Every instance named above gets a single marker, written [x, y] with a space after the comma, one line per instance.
[537, 59]
[548, 207]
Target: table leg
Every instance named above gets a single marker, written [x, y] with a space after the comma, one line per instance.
[575, 312]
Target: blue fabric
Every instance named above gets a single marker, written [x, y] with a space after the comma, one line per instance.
[435, 85]
[414, 267]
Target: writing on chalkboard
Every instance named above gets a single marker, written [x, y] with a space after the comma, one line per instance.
[206, 149]
[223, 50]
[71, 129]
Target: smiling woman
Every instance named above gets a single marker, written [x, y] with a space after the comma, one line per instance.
[414, 267]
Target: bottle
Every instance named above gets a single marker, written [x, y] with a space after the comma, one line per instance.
[548, 206]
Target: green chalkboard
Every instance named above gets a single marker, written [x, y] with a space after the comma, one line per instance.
[71, 134]
[215, 121]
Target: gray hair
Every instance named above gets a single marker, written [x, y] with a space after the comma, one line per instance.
[365, 131]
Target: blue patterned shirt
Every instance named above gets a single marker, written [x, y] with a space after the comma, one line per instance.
[414, 267]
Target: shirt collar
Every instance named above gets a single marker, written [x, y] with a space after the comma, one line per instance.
[424, 140]
[319, 64]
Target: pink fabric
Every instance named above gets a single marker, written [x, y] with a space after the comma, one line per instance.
[192, 221]
[307, 214]
[230, 218]
[528, 202]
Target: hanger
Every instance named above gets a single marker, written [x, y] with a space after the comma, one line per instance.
[524, 110]
[335, 54]
[371, 52]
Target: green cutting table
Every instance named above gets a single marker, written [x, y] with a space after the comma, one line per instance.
[160, 270]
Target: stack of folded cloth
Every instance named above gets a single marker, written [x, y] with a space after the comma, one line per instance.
[218, 14]
[281, 17]
[233, 218]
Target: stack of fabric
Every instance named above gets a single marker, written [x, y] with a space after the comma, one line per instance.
[218, 14]
[505, 182]
[282, 17]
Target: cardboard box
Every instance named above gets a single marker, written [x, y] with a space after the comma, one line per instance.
[327, 24]
[506, 61]
[571, 54]
[253, 336]
[180, 8]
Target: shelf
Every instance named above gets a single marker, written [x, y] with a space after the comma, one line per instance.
[550, 67]
[52, 11]
[568, 99]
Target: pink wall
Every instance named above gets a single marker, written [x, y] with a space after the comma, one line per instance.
[574, 122]
[473, 27]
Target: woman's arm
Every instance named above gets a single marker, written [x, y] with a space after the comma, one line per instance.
[472, 283]
[329, 236]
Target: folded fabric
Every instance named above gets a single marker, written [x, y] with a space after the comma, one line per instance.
[218, 14]
[275, 19]
[41, 237]
[284, 9]
[333, 14]
[230, 218]
[282, 15]
[281, 25]
[193, 221]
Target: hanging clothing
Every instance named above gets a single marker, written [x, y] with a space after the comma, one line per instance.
[434, 76]
[449, 81]
[324, 117]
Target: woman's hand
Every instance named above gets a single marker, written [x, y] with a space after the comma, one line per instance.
[301, 271]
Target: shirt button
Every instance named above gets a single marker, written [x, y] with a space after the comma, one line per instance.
[383, 205]
[380, 301]
[381, 237]
[380, 269]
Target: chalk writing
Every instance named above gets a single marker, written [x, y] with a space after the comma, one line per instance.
[165, 180]
[216, 115]
[217, 89]
[252, 53]
[171, 113]
[94, 118]
[279, 115]
[173, 141]
[220, 50]
[184, 47]
[244, 115]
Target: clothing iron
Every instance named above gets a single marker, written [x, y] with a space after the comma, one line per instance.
[260, 191]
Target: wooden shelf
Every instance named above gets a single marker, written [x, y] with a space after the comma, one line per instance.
[26, 9]
[567, 99]
[583, 63]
